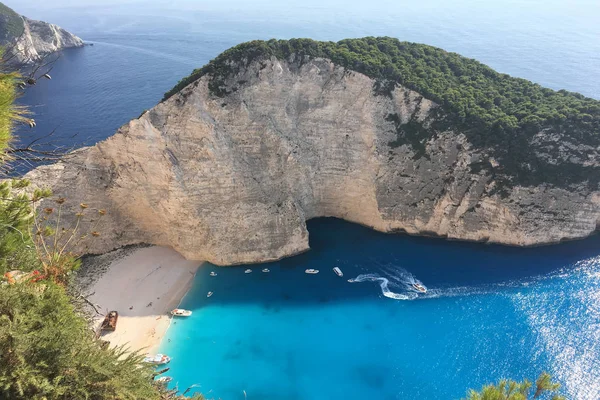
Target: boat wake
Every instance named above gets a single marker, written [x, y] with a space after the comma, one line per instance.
[399, 284]
[384, 284]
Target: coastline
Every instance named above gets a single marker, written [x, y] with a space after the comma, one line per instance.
[142, 284]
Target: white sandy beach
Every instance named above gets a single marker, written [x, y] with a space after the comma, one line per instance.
[143, 287]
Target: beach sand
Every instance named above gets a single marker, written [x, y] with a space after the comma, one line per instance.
[143, 285]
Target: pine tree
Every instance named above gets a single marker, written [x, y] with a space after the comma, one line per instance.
[511, 390]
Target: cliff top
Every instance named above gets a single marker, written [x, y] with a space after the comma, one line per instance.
[496, 111]
[472, 90]
[11, 24]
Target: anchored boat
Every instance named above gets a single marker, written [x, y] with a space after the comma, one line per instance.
[248, 271]
[311, 271]
[209, 294]
[266, 270]
[180, 312]
[159, 359]
[213, 273]
[338, 271]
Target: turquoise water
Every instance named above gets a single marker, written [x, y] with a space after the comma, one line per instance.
[490, 312]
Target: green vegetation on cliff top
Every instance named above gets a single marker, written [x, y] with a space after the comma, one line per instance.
[473, 91]
[11, 23]
[497, 112]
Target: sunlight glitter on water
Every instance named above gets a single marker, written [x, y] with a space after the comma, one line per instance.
[565, 312]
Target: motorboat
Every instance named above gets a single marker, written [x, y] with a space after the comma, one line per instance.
[209, 294]
[311, 271]
[266, 270]
[338, 271]
[213, 273]
[164, 379]
[180, 312]
[419, 287]
[248, 271]
[158, 359]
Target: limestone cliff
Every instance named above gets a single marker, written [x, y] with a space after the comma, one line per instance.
[233, 178]
[28, 41]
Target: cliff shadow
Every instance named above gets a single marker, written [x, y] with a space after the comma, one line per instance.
[391, 261]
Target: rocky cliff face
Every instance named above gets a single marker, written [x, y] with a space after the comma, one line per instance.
[233, 179]
[38, 40]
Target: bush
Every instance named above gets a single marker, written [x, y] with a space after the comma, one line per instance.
[47, 351]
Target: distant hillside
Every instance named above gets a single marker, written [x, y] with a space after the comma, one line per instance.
[27, 41]
[11, 24]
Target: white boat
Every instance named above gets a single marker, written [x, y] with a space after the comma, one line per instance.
[248, 271]
[180, 312]
[213, 273]
[164, 379]
[209, 294]
[266, 270]
[311, 271]
[159, 359]
[338, 271]
[419, 287]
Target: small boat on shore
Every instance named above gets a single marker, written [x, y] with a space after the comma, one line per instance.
[266, 270]
[311, 271]
[419, 287]
[209, 294]
[180, 312]
[159, 359]
[110, 321]
[338, 271]
[248, 271]
[213, 273]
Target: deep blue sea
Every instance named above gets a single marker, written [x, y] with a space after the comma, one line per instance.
[490, 312]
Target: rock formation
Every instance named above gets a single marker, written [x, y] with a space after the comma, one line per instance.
[233, 179]
[28, 41]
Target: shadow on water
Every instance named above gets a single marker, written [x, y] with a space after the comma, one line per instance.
[447, 268]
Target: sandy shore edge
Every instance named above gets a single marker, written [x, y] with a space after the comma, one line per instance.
[143, 284]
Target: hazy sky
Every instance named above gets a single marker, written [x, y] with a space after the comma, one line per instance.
[570, 6]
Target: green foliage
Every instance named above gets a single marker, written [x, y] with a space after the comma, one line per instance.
[48, 352]
[16, 247]
[11, 24]
[498, 113]
[475, 93]
[9, 112]
[511, 390]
